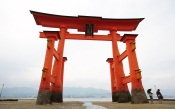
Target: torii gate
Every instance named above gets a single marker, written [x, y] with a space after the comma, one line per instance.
[51, 86]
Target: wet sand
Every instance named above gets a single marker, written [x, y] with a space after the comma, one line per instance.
[30, 104]
[155, 105]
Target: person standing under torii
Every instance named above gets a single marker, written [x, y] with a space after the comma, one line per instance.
[150, 95]
[159, 95]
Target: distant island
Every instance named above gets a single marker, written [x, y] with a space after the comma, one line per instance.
[68, 92]
[71, 92]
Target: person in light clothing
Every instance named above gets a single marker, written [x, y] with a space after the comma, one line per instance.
[150, 95]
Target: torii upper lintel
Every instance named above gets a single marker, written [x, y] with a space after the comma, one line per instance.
[72, 22]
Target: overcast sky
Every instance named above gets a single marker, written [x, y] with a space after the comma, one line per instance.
[22, 52]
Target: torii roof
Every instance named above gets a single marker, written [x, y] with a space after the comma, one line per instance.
[72, 22]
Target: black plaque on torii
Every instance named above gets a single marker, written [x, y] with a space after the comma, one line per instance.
[89, 30]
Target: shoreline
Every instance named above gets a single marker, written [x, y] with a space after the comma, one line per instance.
[28, 103]
[77, 99]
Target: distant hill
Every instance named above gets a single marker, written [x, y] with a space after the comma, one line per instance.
[19, 92]
[72, 92]
[85, 92]
[27, 92]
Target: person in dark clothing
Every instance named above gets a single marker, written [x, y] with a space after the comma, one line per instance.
[150, 95]
[159, 95]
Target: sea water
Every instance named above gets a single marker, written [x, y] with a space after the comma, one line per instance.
[89, 105]
[87, 102]
[88, 99]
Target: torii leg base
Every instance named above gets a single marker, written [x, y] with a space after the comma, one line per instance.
[121, 97]
[138, 96]
[114, 97]
[43, 97]
[56, 97]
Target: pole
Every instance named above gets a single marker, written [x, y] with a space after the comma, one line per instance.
[1, 90]
[155, 87]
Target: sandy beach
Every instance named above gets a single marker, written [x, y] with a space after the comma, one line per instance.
[156, 105]
[30, 104]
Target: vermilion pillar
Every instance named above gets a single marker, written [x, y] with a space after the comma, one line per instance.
[113, 78]
[62, 73]
[44, 89]
[56, 89]
[137, 90]
[121, 93]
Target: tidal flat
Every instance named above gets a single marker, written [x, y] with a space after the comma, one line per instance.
[30, 104]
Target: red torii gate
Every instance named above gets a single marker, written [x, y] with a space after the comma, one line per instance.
[51, 86]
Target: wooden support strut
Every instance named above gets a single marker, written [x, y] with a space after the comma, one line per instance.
[126, 79]
[123, 55]
[52, 79]
[55, 54]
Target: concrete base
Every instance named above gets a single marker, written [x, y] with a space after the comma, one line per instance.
[43, 97]
[138, 96]
[121, 97]
[56, 97]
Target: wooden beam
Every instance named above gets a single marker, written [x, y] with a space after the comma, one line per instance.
[95, 37]
[52, 79]
[42, 35]
[126, 79]
[55, 54]
[50, 34]
[123, 55]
